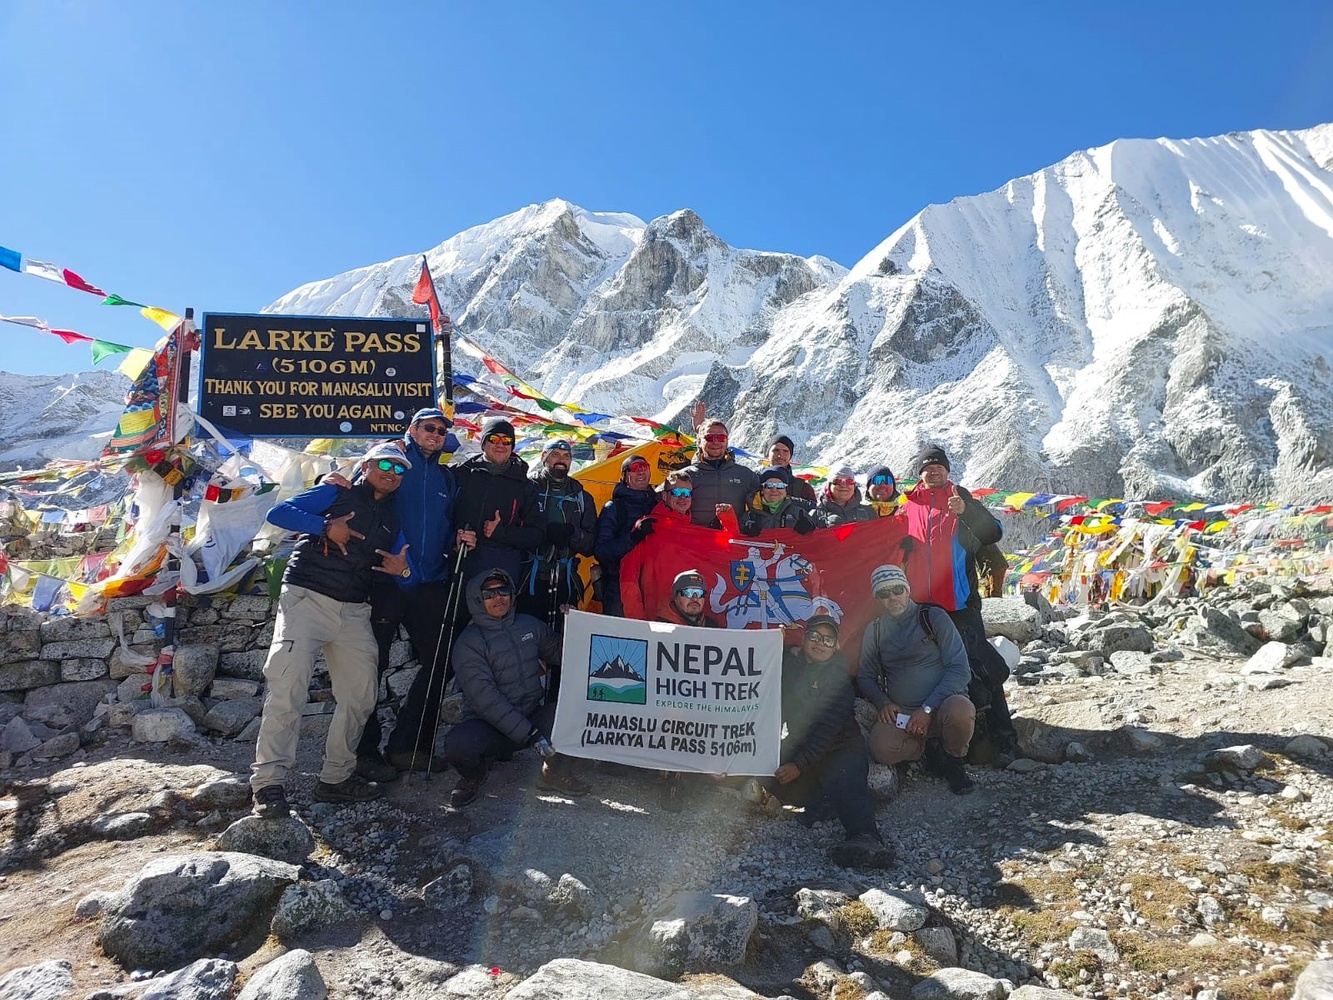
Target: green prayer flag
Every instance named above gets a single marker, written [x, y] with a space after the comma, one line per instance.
[104, 349]
[115, 300]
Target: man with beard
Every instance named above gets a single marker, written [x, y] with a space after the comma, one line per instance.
[632, 498]
[779, 465]
[552, 578]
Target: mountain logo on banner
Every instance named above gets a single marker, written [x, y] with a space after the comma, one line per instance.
[618, 670]
[778, 590]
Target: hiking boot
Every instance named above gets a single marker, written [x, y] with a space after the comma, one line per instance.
[353, 789]
[373, 767]
[466, 791]
[865, 850]
[955, 775]
[557, 779]
[271, 803]
[418, 760]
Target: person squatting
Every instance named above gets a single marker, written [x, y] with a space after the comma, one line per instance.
[479, 561]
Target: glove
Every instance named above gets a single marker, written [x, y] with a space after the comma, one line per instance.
[543, 746]
[558, 534]
[804, 525]
[907, 545]
[641, 530]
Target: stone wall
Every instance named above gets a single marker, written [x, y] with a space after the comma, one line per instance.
[63, 679]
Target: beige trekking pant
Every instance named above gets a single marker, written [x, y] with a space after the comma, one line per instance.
[952, 724]
[307, 623]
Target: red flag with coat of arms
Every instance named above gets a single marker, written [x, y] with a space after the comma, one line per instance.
[777, 579]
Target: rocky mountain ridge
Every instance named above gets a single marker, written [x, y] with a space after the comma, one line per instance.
[1151, 317]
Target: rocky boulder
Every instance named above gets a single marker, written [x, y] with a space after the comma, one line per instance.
[206, 979]
[70, 704]
[309, 906]
[1120, 638]
[183, 906]
[293, 976]
[227, 718]
[49, 980]
[573, 979]
[894, 912]
[284, 839]
[158, 725]
[1011, 617]
[1315, 982]
[958, 984]
[1271, 657]
[695, 931]
[193, 668]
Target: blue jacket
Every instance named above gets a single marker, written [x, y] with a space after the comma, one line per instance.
[424, 503]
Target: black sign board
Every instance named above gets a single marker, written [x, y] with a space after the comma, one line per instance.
[314, 376]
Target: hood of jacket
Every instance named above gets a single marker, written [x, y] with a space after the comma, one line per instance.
[479, 616]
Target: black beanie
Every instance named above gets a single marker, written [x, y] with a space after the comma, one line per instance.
[931, 454]
[783, 439]
[496, 425]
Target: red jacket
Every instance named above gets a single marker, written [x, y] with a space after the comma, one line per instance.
[941, 566]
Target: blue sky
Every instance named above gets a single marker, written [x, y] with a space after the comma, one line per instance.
[217, 155]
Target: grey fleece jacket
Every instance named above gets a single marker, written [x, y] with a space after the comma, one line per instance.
[496, 663]
[900, 663]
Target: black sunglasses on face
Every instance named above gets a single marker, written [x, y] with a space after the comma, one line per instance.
[487, 593]
[820, 639]
[432, 428]
[897, 591]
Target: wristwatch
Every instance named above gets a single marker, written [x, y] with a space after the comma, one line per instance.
[407, 571]
[927, 709]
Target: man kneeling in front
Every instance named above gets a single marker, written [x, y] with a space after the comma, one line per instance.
[915, 671]
[498, 664]
[347, 535]
[824, 765]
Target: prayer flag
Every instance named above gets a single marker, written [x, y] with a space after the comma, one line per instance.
[166, 320]
[424, 294]
[115, 300]
[104, 349]
[135, 362]
[11, 259]
[74, 337]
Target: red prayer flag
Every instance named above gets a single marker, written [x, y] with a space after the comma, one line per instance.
[75, 281]
[424, 295]
[72, 336]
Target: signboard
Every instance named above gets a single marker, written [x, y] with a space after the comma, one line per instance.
[670, 697]
[314, 376]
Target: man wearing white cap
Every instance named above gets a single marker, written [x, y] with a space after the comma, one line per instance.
[347, 536]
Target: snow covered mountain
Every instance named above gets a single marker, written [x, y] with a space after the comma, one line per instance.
[1151, 317]
[57, 416]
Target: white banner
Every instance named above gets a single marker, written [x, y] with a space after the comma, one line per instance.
[670, 697]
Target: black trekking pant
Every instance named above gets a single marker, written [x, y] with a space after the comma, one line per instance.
[987, 663]
[471, 745]
[420, 610]
[837, 782]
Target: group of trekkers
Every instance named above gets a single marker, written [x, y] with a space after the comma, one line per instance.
[479, 560]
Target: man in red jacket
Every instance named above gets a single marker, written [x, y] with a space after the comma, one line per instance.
[948, 527]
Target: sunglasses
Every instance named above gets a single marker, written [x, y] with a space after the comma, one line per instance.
[844, 482]
[500, 439]
[389, 465]
[681, 491]
[775, 484]
[432, 428]
[715, 438]
[691, 593]
[882, 481]
[897, 591]
[820, 639]
[490, 592]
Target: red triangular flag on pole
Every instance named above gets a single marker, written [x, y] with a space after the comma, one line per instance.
[424, 295]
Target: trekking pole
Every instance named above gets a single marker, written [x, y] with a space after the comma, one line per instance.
[450, 602]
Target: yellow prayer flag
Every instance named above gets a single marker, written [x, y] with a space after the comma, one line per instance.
[1017, 500]
[166, 320]
[135, 362]
[1193, 506]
